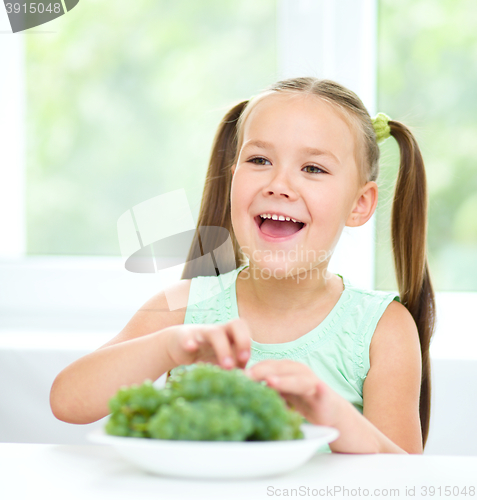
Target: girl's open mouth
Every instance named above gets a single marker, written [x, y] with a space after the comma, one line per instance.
[277, 230]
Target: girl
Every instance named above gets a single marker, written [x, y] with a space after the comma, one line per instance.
[289, 169]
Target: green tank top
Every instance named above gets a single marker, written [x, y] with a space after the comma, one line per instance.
[337, 350]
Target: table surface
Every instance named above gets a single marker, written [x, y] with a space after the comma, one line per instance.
[98, 472]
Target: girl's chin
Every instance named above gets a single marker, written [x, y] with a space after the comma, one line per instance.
[281, 269]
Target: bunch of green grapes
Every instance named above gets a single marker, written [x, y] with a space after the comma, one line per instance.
[206, 403]
[132, 407]
[200, 420]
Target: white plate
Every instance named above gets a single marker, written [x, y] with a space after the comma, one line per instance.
[219, 459]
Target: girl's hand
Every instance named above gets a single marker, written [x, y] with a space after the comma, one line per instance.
[226, 345]
[301, 389]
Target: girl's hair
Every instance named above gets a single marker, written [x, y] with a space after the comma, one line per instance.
[409, 209]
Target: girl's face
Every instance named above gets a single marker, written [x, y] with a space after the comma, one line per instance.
[296, 160]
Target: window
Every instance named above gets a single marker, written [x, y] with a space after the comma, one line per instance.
[107, 107]
[427, 79]
[131, 97]
[122, 105]
[111, 108]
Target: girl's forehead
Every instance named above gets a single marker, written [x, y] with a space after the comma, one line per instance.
[303, 117]
[289, 104]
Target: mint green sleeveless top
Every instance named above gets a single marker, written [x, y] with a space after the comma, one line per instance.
[337, 350]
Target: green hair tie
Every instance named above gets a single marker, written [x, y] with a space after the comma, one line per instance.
[381, 127]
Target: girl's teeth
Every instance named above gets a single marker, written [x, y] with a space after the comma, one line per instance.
[277, 217]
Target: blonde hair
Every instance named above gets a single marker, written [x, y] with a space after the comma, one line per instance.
[409, 210]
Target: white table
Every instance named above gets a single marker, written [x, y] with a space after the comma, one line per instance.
[97, 472]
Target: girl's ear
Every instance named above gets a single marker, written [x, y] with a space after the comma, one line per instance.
[233, 169]
[365, 205]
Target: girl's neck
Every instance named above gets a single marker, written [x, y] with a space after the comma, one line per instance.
[302, 292]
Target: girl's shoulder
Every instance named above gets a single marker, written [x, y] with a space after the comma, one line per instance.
[369, 302]
[213, 283]
[364, 309]
[367, 293]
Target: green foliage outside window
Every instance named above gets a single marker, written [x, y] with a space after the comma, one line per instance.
[427, 78]
[123, 100]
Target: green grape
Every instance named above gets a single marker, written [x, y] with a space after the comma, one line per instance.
[205, 403]
[267, 409]
[203, 420]
[132, 407]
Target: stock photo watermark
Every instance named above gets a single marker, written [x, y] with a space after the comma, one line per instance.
[147, 233]
[340, 491]
[26, 14]
[287, 257]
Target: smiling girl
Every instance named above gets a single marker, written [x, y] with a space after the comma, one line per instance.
[289, 170]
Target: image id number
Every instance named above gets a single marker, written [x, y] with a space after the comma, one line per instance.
[33, 8]
[447, 491]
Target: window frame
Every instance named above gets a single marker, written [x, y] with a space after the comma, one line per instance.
[314, 38]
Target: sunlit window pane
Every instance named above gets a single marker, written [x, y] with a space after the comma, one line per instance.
[123, 101]
[428, 80]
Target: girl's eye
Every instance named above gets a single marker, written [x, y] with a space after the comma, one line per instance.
[258, 158]
[317, 169]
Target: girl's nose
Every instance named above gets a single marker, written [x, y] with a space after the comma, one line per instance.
[280, 184]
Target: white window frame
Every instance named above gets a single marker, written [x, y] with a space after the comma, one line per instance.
[334, 39]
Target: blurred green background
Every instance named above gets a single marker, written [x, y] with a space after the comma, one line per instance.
[123, 104]
[427, 78]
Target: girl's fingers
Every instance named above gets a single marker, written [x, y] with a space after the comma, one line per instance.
[230, 343]
[218, 339]
[191, 344]
[198, 337]
[294, 384]
[276, 367]
[239, 334]
[286, 376]
[191, 337]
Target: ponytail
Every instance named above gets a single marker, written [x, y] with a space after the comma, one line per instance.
[409, 230]
[215, 205]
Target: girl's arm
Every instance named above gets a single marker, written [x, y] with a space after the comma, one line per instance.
[81, 391]
[152, 343]
[390, 420]
[391, 389]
